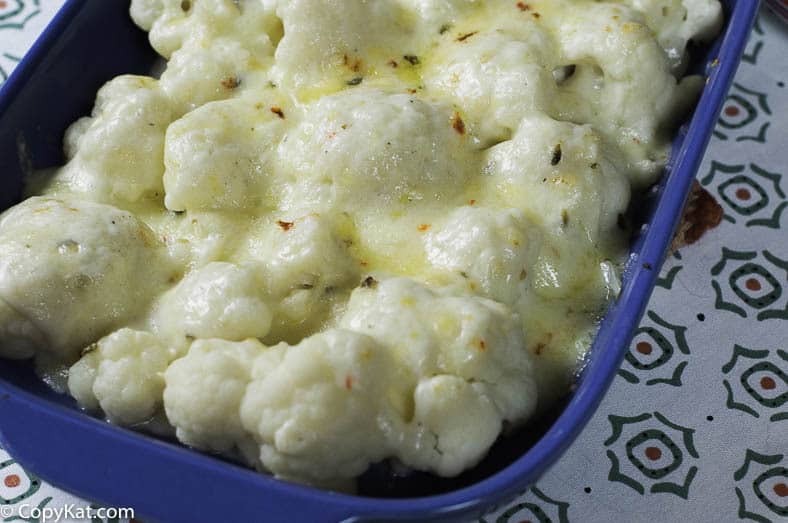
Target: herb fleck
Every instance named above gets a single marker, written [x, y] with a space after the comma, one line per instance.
[464, 37]
[557, 155]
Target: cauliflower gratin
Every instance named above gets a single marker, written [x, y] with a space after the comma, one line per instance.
[334, 232]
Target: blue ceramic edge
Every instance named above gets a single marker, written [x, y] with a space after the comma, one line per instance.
[37, 52]
[79, 435]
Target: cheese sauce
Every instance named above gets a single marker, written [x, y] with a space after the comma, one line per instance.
[334, 232]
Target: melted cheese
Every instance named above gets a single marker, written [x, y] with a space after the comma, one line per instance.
[422, 196]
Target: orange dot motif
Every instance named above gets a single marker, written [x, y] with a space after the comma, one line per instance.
[753, 284]
[743, 194]
[12, 480]
[768, 383]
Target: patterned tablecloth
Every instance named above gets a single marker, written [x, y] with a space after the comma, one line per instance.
[695, 426]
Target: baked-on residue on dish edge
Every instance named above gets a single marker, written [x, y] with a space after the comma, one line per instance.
[334, 232]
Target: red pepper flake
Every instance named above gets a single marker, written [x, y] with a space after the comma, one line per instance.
[349, 382]
[482, 345]
[464, 37]
[536, 16]
[286, 226]
[457, 123]
[413, 91]
[522, 6]
[231, 82]
[278, 111]
[424, 227]
[472, 202]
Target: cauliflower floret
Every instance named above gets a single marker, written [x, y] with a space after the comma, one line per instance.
[75, 271]
[123, 375]
[496, 77]
[493, 248]
[175, 23]
[146, 12]
[559, 174]
[676, 22]
[454, 425]
[460, 351]
[410, 153]
[307, 267]
[307, 253]
[622, 85]
[314, 407]
[196, 238]
[429, 333]
[201, 73]
[203, 395]
[219, 156]
[329, 42]
[117, 155]
[216, 48]
[220, 300]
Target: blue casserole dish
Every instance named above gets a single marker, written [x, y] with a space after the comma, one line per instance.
[90, 42]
